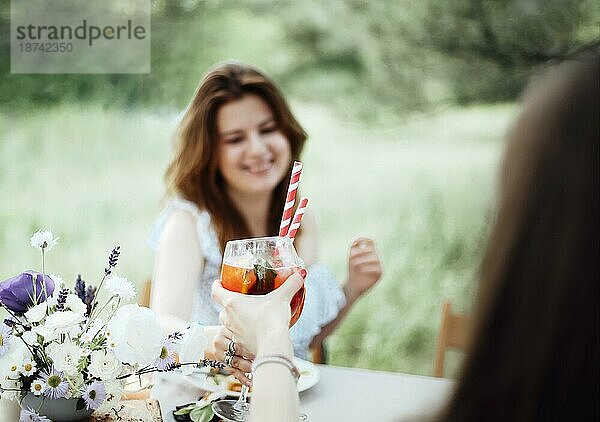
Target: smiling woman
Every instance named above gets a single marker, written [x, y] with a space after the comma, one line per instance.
[228, 180]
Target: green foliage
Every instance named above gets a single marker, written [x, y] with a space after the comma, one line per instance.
[196, 412]
[83, 363]
[366, 59]
[493, 45]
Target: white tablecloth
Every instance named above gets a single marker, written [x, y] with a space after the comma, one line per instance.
[342, 394]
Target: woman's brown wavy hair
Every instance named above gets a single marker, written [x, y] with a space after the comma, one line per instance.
[193, 173]
[535, 349]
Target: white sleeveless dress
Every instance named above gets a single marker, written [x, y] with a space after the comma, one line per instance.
[324, 296]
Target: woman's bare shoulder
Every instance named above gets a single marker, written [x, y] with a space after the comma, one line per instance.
[180, 227]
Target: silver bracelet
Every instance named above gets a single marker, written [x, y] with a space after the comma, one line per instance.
[280, 359]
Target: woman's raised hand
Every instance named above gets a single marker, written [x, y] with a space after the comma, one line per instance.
[248, 318]
[364, 268]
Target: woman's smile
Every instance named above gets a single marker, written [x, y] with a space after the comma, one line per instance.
[254, 155]
[259, 169]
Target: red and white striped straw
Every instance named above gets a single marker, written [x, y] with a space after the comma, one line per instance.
[286, 218]
[297, 218]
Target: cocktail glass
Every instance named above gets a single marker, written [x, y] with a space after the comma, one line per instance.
[256, 267]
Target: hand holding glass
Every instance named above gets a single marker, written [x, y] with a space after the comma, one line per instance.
[257, 267]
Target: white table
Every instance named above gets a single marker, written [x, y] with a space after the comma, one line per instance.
[342, 394]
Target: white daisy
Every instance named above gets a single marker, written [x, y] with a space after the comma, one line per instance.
[28, 368]
[37, 387]
[13, 370]
[43, 239]
[121, 287]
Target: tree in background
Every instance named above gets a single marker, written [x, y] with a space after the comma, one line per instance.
[412, 54]
[363, 57]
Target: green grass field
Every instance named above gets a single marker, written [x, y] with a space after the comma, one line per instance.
[423, 188]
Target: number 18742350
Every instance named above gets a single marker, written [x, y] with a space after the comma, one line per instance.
[46, 47]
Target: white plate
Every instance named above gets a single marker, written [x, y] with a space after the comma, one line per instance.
[309, 376]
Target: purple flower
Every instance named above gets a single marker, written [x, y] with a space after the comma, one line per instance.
[94, 394]
[18, 293]
[56, 386]
[167, 356]
[29, 415]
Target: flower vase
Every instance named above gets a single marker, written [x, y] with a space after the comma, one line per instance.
[57, 409]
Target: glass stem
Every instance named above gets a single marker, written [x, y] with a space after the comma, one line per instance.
[241, 403]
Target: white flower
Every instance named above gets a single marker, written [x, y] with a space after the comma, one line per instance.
[93, 329]
[121, 287]
[11, 361]
[65, 356]
[5, 338]
[6, 384]
[30, 337]
[63, 321]
[36, 313]
[43, 239]
[37, 387]
[192, 347]
[59, 283]
[104, 365]
[73, 303]
[16, 354]
[114, 389]
[75, 382]
[14, 369]
[48, 334]
[137, 335]
[28, 368]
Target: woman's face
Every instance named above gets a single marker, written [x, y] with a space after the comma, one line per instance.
[253, 154]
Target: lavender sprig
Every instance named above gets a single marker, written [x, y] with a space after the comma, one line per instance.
[62, 299]
[113, 259]
[88, 298]
[211, 363]
[149, 369]
[176, 335]
[9, 322]
[80, 288]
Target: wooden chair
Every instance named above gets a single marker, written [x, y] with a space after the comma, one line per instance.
[145, 294]
[454, 334]
[316, 352]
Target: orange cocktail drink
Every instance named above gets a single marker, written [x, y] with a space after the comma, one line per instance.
[259, 266]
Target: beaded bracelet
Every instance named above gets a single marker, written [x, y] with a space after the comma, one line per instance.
[280, 359]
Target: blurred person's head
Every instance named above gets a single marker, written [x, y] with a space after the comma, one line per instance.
[535, 347]
[237, 137]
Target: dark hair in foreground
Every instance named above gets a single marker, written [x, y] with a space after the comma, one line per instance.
[193, 173]
[535, 349]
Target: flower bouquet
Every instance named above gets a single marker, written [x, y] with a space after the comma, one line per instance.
[64, 355]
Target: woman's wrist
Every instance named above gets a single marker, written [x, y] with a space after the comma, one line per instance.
[276, 322]
[350, 293]
[276, 341]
